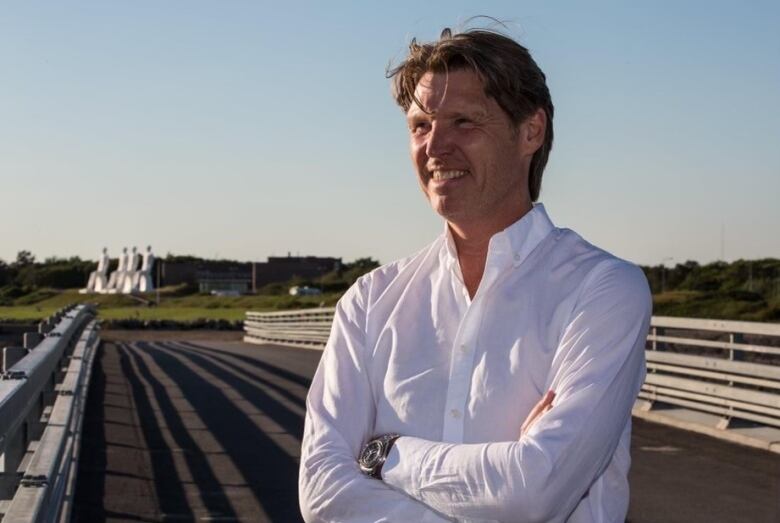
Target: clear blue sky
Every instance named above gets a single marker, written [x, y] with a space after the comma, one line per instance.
[248, 129]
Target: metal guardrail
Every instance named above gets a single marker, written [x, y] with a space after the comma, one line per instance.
[308, 328]
[42, 404]
[726, 369]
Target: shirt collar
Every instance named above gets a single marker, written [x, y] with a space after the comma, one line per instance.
[513, 244]
[528, 232]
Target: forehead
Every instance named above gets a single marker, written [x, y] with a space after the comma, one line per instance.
[454, 90]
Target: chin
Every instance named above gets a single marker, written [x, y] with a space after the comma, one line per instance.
[447, 207]
[448, 213]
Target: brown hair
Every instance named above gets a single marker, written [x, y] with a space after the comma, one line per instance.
[507, 70]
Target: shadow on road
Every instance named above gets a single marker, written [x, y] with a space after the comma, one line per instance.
[167, 483]
[176, 432]
[249, 448]
[91, 486]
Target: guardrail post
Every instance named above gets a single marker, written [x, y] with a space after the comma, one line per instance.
[660, 331]
[11, 355]
[16, 443]
[736, 354]
[724, 422]
[31, 339]
[10, 460]
[656, 331]
[44, 327]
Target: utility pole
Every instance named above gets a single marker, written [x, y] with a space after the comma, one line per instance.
[254, 278]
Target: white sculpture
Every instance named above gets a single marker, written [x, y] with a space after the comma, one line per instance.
[117, 278]
[131, 273]
[143, 281]
[98, 279]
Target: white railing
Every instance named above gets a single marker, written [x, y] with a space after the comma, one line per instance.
[726, 372]
[299, 328]
[729, 370]
[39, 438]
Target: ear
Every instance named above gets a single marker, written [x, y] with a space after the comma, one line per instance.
[532, 131]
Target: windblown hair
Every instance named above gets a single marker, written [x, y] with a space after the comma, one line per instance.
[508, 72]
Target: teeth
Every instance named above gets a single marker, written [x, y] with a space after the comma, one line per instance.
[448, 175]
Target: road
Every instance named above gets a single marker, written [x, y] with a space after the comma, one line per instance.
[210, 431]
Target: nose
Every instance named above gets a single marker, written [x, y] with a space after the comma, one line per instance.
[439, 142]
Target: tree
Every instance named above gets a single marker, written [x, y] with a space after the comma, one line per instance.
[5, 273]
[24, 258]
[358, 268]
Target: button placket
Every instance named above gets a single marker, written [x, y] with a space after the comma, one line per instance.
[461, 367]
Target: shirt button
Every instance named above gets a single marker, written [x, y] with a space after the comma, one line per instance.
[455, 413]
[464, 348]
[517, 256]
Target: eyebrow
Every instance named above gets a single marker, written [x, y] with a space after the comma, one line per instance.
[418, 113]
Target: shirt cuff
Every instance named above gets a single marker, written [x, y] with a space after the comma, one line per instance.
[402, 471]
[402, 466]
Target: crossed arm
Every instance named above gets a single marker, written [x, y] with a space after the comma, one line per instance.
[596, 373]
[339, 420]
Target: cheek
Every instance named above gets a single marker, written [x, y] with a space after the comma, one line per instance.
[419, 158]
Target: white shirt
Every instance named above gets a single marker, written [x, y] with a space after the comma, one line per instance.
[410, 353]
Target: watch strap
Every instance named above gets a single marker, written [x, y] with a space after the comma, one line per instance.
[389, 440]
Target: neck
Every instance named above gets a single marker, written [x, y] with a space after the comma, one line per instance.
[472, 241]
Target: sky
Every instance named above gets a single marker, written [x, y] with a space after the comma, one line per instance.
[242, 130]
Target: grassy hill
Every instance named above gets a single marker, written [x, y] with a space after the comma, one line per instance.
[746, 290]
[722, 306]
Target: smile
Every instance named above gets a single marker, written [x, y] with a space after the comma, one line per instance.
[448, 175]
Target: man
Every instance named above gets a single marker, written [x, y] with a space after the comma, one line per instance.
[434, 397]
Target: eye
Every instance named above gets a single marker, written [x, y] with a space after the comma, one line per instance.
[464, 122]
[419, 127]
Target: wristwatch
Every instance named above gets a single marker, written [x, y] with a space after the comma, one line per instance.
[375, 453]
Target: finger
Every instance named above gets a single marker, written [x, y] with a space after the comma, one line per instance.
[544, 403]
[549, 397]
[540, 408]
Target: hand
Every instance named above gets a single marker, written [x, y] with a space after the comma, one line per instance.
[540, 408]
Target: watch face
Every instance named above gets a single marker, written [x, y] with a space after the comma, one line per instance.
[371, 454]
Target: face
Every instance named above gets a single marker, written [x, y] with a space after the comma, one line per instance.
[471, 161]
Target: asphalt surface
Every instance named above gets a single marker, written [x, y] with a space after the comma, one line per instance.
[681, 476]
[210, 431]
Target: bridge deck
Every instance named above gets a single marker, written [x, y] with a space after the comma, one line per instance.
[210, 431]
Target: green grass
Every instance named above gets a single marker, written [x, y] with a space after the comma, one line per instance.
[42, 303]
[26, 313]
